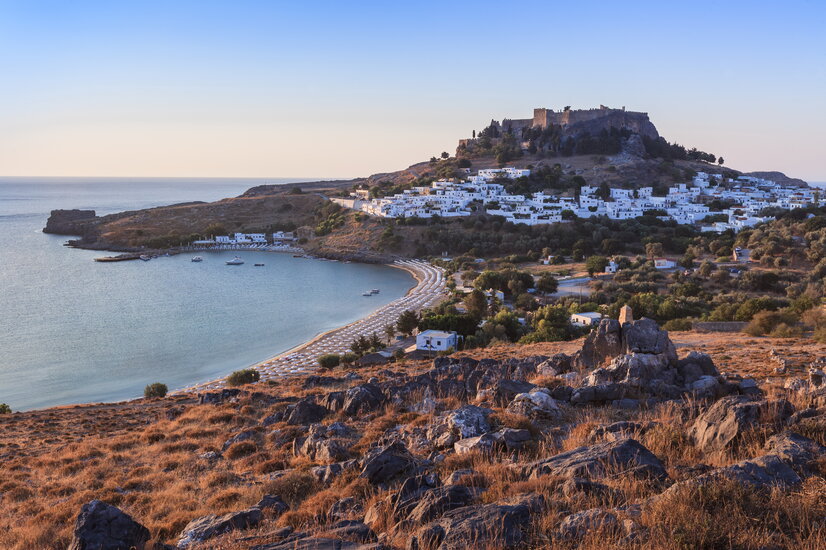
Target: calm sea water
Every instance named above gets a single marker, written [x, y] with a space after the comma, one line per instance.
[73, 330]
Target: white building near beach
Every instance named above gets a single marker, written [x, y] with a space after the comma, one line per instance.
[436, 340]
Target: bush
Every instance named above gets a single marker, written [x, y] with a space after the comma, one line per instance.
[155, 390]
[240, 449]
[241, 377]
[329, 360]
[786, 331]
[765, 322]
[5, 409]
[349, 357]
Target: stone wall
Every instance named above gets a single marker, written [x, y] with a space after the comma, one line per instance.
[720, 326]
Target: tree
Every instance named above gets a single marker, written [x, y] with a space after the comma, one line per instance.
[5, 409]
[328, 360]
[653, 250]
[720, 161]
[596, 264]
[245, 376]
[445, 155]
[155, 390]
[476, 304]
[390, 332]
[547, 284]
[407, 323]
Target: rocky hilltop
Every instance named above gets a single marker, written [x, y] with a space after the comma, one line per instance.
[623, 440]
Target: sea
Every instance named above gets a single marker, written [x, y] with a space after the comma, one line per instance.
[73, 330]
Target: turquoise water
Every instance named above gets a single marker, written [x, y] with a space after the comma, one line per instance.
[73, 330]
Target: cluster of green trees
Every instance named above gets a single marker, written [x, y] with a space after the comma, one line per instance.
[328, 217]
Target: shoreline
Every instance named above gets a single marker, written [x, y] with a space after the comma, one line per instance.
[300, 360]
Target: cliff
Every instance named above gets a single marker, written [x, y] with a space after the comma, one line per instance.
[70, 222]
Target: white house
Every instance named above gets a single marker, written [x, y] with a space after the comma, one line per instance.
[612, 267]
[664, 263]
[585, 319]
[436, 340]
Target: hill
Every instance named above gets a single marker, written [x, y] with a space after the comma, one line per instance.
[554, 443]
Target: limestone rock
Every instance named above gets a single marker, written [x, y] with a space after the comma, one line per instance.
[362, 398]
[501, 525]
[536, 404]
[101, 526]
[306, 412]
[580, 524]
[207, 527]
[624, 457]
[720, 426]
[468, 421]
[384, 464]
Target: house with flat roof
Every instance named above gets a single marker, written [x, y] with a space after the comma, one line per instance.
[436, 340]
[585, 319]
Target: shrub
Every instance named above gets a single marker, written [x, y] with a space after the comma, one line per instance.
[765, 322]
[329, 360]
[155, 390]
[349, 357]
[245, 376]
[5, 409]
[240, 449]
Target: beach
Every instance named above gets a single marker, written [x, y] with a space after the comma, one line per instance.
[429, 291]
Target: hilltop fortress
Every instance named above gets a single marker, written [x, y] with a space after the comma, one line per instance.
[572, 123]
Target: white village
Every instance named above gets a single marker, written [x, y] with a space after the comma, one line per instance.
[685, 203]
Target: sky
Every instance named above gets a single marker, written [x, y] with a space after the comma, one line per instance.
[249, 88]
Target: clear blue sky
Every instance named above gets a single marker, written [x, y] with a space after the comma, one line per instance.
[245, 88]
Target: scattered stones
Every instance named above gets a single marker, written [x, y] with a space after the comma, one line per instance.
[101, 526]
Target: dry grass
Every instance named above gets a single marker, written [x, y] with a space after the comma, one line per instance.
[134, 456]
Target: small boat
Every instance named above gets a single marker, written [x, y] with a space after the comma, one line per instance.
[144, 257]
[297, 256]
[259, 265]
[197, 259]
[366, 293]
[374, 291]
[235, 261]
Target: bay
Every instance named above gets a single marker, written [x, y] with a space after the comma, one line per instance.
[74, 331]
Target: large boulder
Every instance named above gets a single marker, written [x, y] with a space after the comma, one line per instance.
[601, 345]
[625, 457]
[382, 465]
[363, 398]
[319, 446]
[500, 525]
[645, 336]
[101, 526]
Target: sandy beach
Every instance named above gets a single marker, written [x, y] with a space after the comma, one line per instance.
[429, 291]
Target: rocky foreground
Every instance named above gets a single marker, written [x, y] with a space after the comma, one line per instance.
[623, 443]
